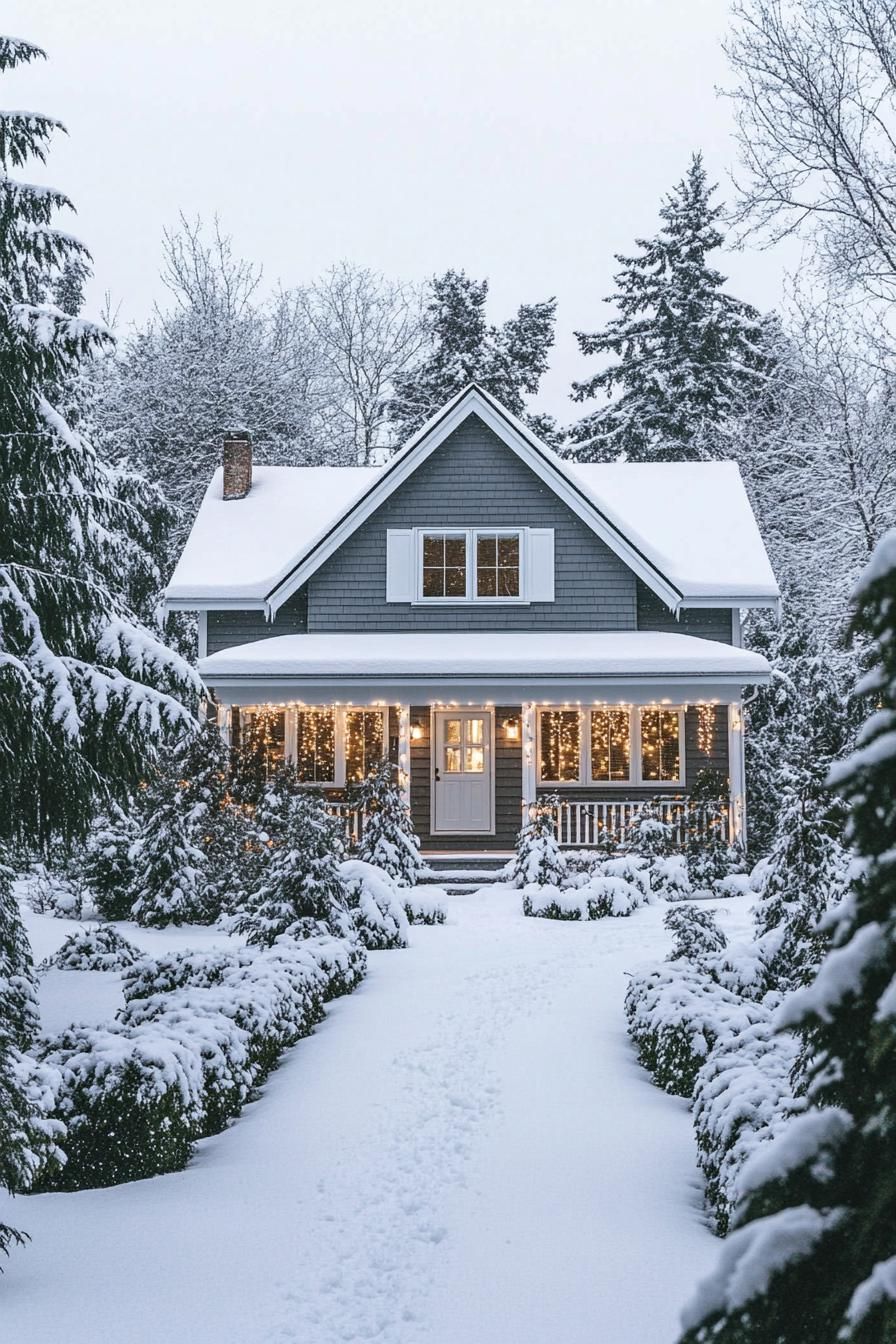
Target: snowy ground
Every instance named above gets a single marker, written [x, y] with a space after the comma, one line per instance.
[465, 1151]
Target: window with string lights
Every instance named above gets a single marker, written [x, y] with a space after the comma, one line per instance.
[329, 745]
[611, 745]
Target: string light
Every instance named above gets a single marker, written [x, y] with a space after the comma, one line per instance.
[706, 716]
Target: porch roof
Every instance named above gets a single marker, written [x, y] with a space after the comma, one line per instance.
[450, 663]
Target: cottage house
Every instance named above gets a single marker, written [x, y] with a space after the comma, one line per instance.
[502, 622]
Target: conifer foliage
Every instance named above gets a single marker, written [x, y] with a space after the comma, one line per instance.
[814, 1256]
[388, 839]
[18, 1024]
[684, 353]
[507, 361]
[84, 688]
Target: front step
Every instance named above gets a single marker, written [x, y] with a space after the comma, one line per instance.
[460, 873]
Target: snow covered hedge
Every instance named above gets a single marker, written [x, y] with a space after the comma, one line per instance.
[198, 1033]
[613, 887]
[99, 947]
[676, 1012]
[743, 1096]
[424, 905]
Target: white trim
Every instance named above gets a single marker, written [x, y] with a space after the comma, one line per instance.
[214, 604]
[528, 730]
[536, 456]
[737, 774]
[202, 635]
[635, 779]
[485, 711]
[404, 750]
[737, 630]
[471, 536]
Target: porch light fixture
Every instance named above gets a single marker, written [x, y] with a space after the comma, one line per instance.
[416, 732]
[512, 729]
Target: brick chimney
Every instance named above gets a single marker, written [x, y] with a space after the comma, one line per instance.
[237, 465]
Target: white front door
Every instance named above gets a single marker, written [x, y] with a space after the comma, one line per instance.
[462, 783]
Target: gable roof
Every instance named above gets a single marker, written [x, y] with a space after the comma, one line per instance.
[686, 529]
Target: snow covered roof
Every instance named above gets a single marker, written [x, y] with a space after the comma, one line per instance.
[687, 529]
[585, 654]
[241, 548]
[692, 519]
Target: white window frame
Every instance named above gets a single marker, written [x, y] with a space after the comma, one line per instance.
[470, 534]
[290, 754]
[635, 780]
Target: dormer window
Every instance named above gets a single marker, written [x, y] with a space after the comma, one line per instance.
[471, 564]
[444, 558]
[498, 564]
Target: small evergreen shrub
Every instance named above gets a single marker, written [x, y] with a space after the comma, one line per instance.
[669, 877]
[131, 1101]
[99, 947]
[54, 890]
[601, 896]
[424, 905]
[376, 905]
[539, 859]
[695, 932]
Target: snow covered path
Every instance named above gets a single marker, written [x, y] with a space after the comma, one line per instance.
[466, 1150]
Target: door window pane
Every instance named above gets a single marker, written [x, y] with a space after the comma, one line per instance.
[452, 730]
[559, 745]
[316, 745]
[364, 742]
[610, 744]
[474, 730]
[497, 566]
[452, 760]
[444, 565]
[660, 745]
[474, 760]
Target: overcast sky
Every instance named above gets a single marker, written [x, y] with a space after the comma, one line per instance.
[523, 140]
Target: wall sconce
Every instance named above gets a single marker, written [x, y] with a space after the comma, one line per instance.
[512, 729]
[416, 732]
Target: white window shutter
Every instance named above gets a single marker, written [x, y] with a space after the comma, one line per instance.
[541, 564]
[400, 565]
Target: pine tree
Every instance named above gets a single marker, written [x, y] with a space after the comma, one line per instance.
[814, 1255]
[301, 891]
[539, 858]
[388, 838]
[686, 355]
[169, 866]
[85, 688]
[108, 868]
[507, 361]
[18, 1025]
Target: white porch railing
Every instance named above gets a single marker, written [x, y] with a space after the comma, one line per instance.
[583, 824]
[352, 820]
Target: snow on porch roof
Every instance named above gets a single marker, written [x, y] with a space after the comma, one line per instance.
[517, 654]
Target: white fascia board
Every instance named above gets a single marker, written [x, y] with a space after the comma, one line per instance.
[214, 604]
[726, 600]
[255, 689]
[473, 400]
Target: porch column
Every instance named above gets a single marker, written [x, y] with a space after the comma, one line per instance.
[404, 752]
[290, 737]
[225, 720]
[529, 765]
[737, 774]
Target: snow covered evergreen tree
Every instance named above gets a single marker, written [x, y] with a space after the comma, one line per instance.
[18, 1024]
[388, 838]
[539, 858]
[108, 867]
[85, 688]
[507, 361]
[169, 865]
[814, 1252]
[685, 353]
[301, 892]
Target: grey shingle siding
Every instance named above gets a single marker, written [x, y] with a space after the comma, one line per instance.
[474, 479]
[226, 629]
[704, 622]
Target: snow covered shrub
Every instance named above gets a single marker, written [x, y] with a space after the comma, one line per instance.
[302, 892]
[676, 1013]
[424, 905]
[388, 839]
[209, 1023]
[539, 858]
[99, 947]
[547, 901]
[669, 877]
[695, 933]
[131, 1100]
[169, 877]
[600, 896]
[108, 865]
[631, 868]
[743, 1096]
[37, 1133]
[648, 835]
[51, 891]
[376, 905]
